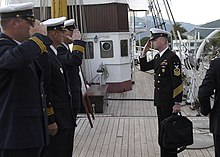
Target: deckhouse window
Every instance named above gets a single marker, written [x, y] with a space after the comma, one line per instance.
[89, 52]
[124, 48]
[106, 49]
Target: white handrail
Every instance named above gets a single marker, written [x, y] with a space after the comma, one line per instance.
[201, 47]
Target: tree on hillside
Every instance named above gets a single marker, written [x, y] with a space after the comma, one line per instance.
[213, 46]
[180, 28]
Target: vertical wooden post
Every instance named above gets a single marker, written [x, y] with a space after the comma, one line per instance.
[59, 8]
[85, 105]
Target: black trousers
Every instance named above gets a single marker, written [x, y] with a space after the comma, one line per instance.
[217, 145]
[76, 101]
[61, 145]
[30, 152]
[163, 113]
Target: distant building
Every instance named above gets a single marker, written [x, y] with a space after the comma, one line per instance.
[188, 44]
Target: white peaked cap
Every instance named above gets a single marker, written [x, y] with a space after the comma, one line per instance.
[69, 22]
[16, 7]
[55, 23]
[156, 32]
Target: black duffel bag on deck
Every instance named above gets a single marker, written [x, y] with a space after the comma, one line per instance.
[176, 132]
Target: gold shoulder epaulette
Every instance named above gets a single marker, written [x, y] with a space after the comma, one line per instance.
[3, 39]
[78, 48]
[39, 43]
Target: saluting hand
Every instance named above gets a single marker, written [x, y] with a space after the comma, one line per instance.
[146, 48]
[53, 129]
[176, 108]
[208, 115]
[38, 28]
[76, 35]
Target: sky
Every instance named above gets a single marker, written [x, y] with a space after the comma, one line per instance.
[191, 11]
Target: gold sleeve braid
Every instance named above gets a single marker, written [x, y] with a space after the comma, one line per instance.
[50, 111]
[39, 43]
[78, 48]
[3, 39]
[177, 90]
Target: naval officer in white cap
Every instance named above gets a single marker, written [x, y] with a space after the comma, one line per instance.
[61, 118]
[70, 24]
[23, 117]
[72, 59]
[168, 87]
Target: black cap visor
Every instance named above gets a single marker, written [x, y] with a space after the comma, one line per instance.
[157, 35]
[71, 28]
[57, 27]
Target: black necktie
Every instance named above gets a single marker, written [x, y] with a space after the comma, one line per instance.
[156, 59]
[157, 56]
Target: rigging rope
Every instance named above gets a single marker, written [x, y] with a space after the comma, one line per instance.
[163, 24]
[155, 10]
[157, 15]
[151, 8]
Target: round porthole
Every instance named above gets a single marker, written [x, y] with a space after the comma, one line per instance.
[106, 46]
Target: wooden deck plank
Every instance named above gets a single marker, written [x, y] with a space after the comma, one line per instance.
[105, 146]
[119, 140]
[82, 125]
[185, 153]
[125, 139]
[94, 140]
[149, 138]
[113, 139]
[154, 133]
[101, 138]
[89, 138]
[80, 139]
[118, 147]
[192, 153]
[144, 146]
[211, 151]
[131, 138]
[79, 124]
[206, 153]
[128, 128]
[199, 153]
[123, 111]
[137, 138]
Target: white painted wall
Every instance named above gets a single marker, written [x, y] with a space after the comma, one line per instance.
[119, 68]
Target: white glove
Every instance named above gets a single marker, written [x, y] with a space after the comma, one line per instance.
[38, 28]
[76, 35]
[146, 48]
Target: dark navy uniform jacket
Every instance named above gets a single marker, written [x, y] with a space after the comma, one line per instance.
[59, 106]
[210, 86]
[72, 61]
[23, 117]
[168, 86]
